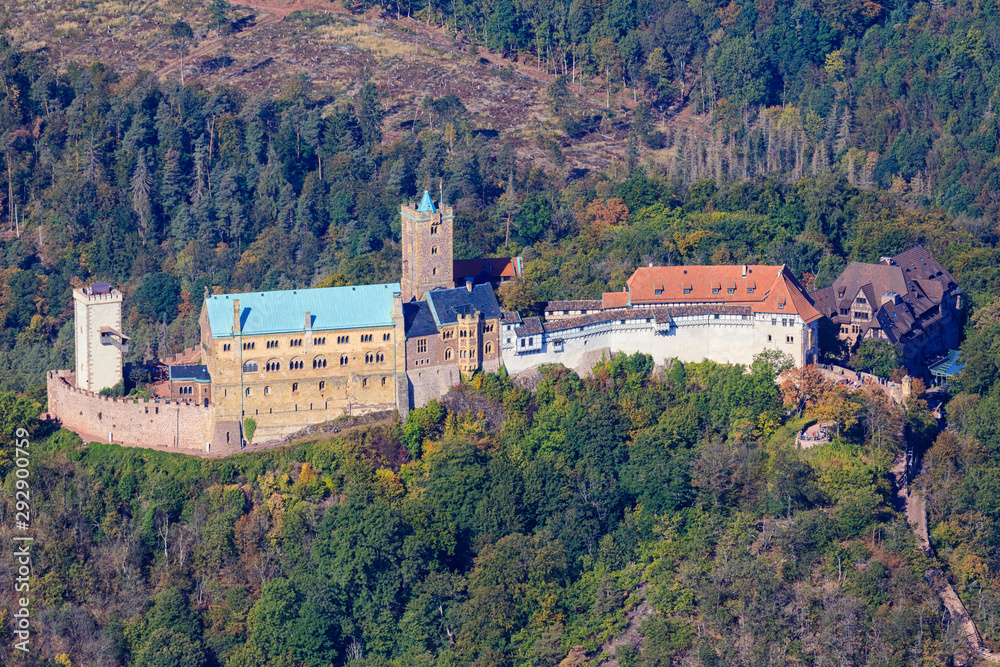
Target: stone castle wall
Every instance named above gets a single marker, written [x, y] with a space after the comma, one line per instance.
[162, 424]
[728, 340]
[431, 382]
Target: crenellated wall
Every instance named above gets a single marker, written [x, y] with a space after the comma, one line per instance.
[164, 424]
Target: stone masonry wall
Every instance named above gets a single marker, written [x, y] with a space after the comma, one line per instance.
[161, 424]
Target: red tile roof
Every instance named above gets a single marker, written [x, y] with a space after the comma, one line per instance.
[766, 289]
[615, 299]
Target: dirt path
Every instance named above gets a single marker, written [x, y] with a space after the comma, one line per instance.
[916, 514]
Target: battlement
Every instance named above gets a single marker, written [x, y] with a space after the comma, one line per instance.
[183, 358]
[65, 382]
[88, 295]
[157, 423]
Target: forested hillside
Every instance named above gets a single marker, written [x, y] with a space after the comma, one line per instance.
[504, 527]
[653, 517]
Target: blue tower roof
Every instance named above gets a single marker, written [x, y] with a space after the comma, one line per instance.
[427, 204]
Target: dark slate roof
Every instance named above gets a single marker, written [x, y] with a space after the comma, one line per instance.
[189, 373]
[447, 304]
[917, 278]
[917, 263]
[511, 317]
[531, 327]
[826, 301]
[418, 320]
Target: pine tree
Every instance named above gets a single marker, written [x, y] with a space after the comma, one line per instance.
[142, 183]
[844, 132]
[171, 182]
[370, 115]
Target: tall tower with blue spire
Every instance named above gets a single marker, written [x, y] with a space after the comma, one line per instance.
[427, 233]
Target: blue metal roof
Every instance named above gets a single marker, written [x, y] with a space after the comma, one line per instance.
[331, 308]
[948, 367]
[427, 204]
[188, 373]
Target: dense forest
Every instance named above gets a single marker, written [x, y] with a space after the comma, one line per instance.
[506, 527]
[577, 520]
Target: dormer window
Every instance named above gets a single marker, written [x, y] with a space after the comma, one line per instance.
[715, 290]
[687, 290]
[781, 306]
[749, 290]
[658, 292]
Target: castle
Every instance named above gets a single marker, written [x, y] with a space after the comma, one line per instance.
[291, 359]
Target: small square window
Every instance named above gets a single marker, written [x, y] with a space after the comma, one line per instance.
[731, 290]
[687, 290]
[749, 290]
[715, 290]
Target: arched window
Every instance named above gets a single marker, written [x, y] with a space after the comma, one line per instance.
[434, 250]
[295, 386]
[369, 357]
[319, 362]
[296, 364]
[267, 391]
[385, 381]
[447, 354]
[379, 357]
[434, 271]
[364, 382]
[248, 391]
[343, 360]
[250, 367]
[489, 348]
[272, 365]
[322, 386]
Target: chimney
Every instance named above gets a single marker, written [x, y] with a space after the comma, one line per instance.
[744, 270]
[468, 284]
[236, 316]
[889, 297]
[309, 320]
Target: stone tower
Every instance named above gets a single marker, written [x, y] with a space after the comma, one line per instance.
[427, 248]
[99, 340]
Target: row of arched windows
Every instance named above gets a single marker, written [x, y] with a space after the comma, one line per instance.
[317, 362]
[365, 382]
[448, 354]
